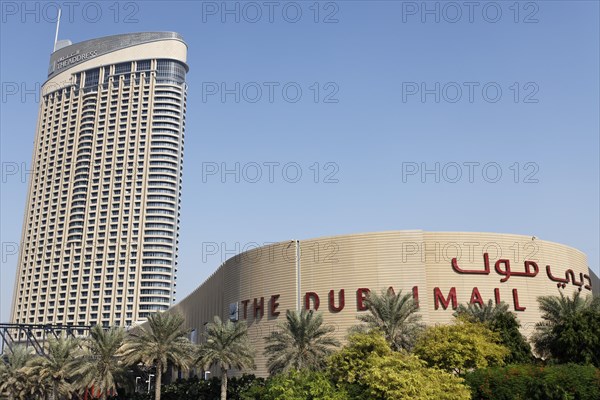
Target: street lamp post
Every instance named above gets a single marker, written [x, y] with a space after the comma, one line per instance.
[149, 380]
[137, 385]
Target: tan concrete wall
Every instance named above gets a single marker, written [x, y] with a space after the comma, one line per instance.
[401, 259]
[258, 273]
[517, 249]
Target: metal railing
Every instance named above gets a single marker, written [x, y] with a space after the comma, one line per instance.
[35, 335]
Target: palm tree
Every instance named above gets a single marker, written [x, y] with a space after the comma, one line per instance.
[486, 313]
[227, 345]
[555, 310]
[301, 342]
[14, 381]
[56, 368]
[161, 341]
[101, 366]
[395, 315]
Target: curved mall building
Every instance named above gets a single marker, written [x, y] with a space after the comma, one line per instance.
[334, 274]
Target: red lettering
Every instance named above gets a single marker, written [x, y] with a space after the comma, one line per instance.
[245, 303]
[361, 295]
[260, 307]
[415, 291]
[342, 299]
[274, 305]
[505, 271]
[391, 291]
[439, 297]
[497, 295]
[476, 297]
[516, 301]
[314, 297]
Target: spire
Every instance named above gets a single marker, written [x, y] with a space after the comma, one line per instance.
[57, 26]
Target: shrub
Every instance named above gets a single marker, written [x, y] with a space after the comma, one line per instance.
[302, 385]
[367, 368]
[246, 387]
[531, 382]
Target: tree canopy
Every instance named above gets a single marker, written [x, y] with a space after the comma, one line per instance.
[302, 385]
[368, 368]
[160, 343]
[301, 342]
[15, 382]
[570, 330]
[394, 315]
[499, 319]
[460, 346]
[57, 370]
[227, 346]
[100, 366]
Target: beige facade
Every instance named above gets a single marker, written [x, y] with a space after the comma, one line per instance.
[100, 231]
[264, 282]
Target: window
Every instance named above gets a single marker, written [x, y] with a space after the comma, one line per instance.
[123, 68]
[92, 77]
[143, 65]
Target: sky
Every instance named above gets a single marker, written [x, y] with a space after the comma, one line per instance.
[308, 119]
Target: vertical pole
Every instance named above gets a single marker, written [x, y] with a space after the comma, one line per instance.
[57, 26]
[149, 381]
[299, 277]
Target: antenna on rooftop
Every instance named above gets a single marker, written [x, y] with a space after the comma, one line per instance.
[57, 26]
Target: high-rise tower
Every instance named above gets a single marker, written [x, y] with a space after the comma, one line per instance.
[100, 231]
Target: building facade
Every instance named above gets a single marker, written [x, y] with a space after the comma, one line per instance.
[100, 232]
[334, 274]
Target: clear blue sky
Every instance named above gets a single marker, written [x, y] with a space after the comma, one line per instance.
[371, 61]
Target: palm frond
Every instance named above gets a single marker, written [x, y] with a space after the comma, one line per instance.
[301, 342]
[395, 315]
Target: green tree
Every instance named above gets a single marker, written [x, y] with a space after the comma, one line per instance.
[347, 364]
[395, 315]
[507, 326]
[302, 385]
[460, 346]
[367, 368]
[15, 382]
[576, 338]
[404, 376]
[498, 318]
[56, 368]
[248, 387]
[227, 345]
[301, 342]
[162, 341]
[570, 330]
[101, 365]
